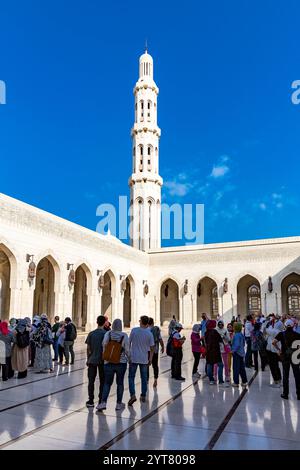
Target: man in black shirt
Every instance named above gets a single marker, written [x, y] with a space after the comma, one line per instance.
[94, 359]
[287, 338]
[71, 335]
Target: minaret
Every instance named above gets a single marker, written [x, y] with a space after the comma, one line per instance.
[145, 182]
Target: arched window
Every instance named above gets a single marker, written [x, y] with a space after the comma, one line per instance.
[214, 301]
[254, 300]
[150, 221]
[141, 149]
[149, 150]
[293, 299]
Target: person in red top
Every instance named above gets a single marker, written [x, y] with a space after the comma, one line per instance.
[178, 341]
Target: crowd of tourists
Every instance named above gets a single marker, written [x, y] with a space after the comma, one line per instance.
[224, 352]
[25, 343]
[229, 351]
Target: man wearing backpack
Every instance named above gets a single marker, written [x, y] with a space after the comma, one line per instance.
[155, 330]
[286, 339]
[71, 335]
[94, 360]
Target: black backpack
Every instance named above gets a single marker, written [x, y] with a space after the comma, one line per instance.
[170, 348]
[73, 332]
[22, 339]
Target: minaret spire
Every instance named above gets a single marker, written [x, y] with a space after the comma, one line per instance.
[145, 182]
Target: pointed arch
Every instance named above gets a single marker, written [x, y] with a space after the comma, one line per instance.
[290, 294]
[207, 297]
[248, 296]
[169, 300]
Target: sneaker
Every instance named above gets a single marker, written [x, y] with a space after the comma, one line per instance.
[143, 398]
[204, 376]
[101, 406]
[224, 384]
[180, 378]
[285, 397]
[244, 385]
[90, 404]
[120, 406]
[235, 385]
[132, 400]
[212, 382]
[275, 385]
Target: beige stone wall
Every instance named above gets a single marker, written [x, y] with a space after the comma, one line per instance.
[27, 230]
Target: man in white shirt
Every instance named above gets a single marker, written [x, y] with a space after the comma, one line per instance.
[141, 342]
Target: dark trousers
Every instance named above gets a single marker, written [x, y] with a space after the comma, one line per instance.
[61, 350]
[196, 361]
[109, 371]
[155, 365]
[92, 374]
[32, 353]
[239, 369]
[55, 349]
[263, 359]
[273, 360]
[248, 358]
[68, 346]
[7, 372]
[176, 363]
[286, 364]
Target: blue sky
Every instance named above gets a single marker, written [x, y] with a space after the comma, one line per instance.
[230, 133]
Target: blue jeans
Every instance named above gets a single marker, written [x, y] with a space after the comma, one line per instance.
[143, 372]
[109, 372]
[239, 369]
[210, 372]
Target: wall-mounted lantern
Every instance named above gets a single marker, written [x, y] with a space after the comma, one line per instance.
[270, 285]
[31, 268]
[186, 286]
[123, 283]
[225, 285]
[100, 279]
[72, 277]
[146, 287]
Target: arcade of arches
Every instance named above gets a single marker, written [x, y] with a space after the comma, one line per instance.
[248, 293]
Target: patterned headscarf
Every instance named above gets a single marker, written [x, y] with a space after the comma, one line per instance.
[21, 325]
[196, 328]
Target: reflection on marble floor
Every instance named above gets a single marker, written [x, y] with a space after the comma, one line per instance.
[54, 415]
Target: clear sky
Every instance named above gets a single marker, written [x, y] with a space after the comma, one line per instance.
[230, 133]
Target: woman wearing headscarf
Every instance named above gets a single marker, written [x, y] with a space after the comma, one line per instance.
[111, 369]
[6, 340]
[238, 353]
[224, 348]
[196, 349]
[273, 327]
[213, 354]
[12, 324]
[20, 350]
[43, 340]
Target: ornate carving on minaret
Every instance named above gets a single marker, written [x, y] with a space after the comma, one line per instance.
[145, 182]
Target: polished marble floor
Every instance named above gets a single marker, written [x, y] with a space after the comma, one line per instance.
[48, 412]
